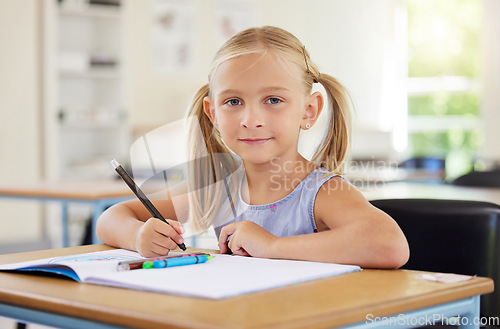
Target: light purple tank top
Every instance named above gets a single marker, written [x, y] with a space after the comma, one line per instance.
[292, 215]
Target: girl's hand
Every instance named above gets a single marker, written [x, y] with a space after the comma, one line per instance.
[247, 239]
[156, 238]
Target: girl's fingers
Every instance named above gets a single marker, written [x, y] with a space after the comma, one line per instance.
[169, 230]
[176, 225]
[163, 247]
[241, 252]
[225, 233]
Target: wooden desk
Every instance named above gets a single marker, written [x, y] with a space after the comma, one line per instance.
[404, 190]
[100, 194]
[343, 300]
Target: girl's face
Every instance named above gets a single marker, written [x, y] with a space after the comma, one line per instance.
[258, 105]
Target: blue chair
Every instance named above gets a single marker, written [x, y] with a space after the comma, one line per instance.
[430, 169]
[427, 163]
[451, 236]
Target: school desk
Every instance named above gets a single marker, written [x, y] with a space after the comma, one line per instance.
[100, 194]
[352, 300]
[407, 190]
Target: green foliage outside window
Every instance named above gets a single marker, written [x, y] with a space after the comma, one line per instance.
[445, 104]
[444, 40]
[439, 144]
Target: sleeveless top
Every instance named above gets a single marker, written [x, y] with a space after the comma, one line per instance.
[292, 215]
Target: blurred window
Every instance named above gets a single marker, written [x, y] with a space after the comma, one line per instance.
[444, 67]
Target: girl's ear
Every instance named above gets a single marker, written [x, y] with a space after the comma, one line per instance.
[209, 109]
[314, 105]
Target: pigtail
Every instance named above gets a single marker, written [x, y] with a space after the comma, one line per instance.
[210, 135]
[210, 162]
[333, 150]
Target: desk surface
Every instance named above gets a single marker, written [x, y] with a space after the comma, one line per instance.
[404, 190]
[79, 189]
[328, 302]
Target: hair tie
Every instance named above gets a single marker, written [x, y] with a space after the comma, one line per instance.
[307, 65]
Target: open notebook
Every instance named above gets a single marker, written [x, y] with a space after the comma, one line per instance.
[223, 276]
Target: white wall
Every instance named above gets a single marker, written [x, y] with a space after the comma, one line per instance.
[20, 143]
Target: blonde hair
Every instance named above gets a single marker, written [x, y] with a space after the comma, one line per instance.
[330, 154]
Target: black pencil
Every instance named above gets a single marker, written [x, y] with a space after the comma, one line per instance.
[140, 195]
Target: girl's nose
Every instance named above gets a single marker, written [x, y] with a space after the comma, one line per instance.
[252, 118]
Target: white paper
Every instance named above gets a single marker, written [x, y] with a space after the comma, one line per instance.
[221, 277]
[446, 277]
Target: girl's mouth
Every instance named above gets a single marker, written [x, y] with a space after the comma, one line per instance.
[254, 141]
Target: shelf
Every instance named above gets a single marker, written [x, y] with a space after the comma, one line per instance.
[90, 171]
[92, 74]
[91, 125]
[87, 111]
[92, 11]
[92, 119]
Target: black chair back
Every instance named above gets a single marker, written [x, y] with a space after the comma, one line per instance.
[451, 236]
[479, 179]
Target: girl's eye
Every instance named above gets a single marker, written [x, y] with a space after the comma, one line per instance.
[274, 100]
[233, 102]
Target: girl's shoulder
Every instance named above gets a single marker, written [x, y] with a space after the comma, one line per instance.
[336, 191]
[331, 182]
[338, 201]
[321, 181]
[322, 175]
[334, 187]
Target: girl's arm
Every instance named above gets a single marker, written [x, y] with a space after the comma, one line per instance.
[352, 231]
[129, 225]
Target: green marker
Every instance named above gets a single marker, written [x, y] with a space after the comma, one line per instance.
[177, 261]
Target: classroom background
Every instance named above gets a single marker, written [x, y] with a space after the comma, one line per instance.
[81, 80]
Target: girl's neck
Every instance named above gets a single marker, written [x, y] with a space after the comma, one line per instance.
[273, 181]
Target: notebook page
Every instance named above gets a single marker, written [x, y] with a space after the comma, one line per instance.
[223, 276]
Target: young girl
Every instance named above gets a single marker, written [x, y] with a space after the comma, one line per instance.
[257, 100]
